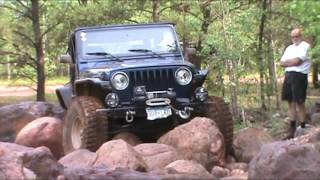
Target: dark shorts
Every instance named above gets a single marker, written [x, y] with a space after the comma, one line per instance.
[294, 87]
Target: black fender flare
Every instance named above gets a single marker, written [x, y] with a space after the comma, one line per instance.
[64, 95]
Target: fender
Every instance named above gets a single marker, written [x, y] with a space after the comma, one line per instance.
[200, 77]
[91, 86]
[64, 95]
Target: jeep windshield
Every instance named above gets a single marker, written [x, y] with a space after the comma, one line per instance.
[154, 41]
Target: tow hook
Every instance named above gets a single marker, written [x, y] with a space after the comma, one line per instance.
[130, 116]
[185, 114]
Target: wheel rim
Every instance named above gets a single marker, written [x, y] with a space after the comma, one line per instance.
[76, 134]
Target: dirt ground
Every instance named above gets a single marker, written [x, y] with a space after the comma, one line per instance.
[20, 91]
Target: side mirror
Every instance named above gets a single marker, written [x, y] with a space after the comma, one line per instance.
[191, 51]
[65, 58]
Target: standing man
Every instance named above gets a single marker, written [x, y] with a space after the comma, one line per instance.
[296, 62]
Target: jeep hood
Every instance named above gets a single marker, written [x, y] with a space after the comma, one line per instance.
[109, 66]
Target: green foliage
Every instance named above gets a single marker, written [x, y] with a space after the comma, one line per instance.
[307, 14]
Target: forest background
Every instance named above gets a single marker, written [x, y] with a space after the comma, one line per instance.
[240, 41]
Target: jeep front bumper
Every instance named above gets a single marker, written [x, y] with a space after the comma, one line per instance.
[157, 105]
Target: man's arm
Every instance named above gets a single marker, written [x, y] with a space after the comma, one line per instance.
[291, 62]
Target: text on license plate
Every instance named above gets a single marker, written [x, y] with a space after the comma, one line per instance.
[158, 112]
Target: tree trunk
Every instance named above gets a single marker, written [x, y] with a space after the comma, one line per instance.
[8, 68]
[39, 51]
[315, 71]
[272, 66]
[233, 86]
[156, 10]
[206, 13]
[260, 55]
[207, 20]
[232, 72]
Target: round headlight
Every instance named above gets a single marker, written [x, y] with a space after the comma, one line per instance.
[120, 80]
[201, 94]
[183, 76]
[112, 100]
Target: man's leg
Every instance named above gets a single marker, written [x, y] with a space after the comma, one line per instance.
[299, 94]
[302, 114]
[292, 112]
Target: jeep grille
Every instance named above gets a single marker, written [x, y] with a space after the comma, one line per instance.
[153, 79]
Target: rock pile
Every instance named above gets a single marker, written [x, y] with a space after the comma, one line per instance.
[194, 150]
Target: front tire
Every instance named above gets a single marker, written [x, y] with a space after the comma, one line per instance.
[218, 110]
[83, 126]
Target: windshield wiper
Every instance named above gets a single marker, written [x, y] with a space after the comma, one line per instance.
[146, 51]
[105, 54]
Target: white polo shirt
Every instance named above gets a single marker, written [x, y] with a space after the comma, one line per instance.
[300, 51]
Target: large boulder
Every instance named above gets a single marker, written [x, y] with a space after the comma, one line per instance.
[313, 136]
[243, 176]
[248, 142]
[72, 159]
[41, 161]
[315, 108]
[45, 131]
[103, 172]
[286, 160]
[303, 131]
[171, 174]
[157, 156]
[21, 162]
[15, 116]
[315, 119]
[11, 165]
[238, 165]
[190, 168]
[220, 172]
[118, 153]
[199, 140]
[128, 137]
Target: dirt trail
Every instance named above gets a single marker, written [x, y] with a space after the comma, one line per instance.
[24, 90]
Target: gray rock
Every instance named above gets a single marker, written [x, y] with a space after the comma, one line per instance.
[315, 119]
[286, 160]
[220, 172]
[128, 137]
[118, 153]
[15, 116]
[10, 165]
[103, 172]
[248, 142]
[238, 165]
[72, 159]
[41, 161]
[157, 156]
[190, 168]
[303, 131]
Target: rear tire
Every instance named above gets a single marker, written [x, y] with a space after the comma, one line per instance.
[218, 110]
[83, 126]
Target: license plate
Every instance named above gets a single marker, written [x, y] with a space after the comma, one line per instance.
[158, 112]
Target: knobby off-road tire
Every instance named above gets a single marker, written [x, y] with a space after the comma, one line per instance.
[83, 126]
[218, 110]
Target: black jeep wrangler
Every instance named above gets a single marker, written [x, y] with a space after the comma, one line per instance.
[132, 78]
